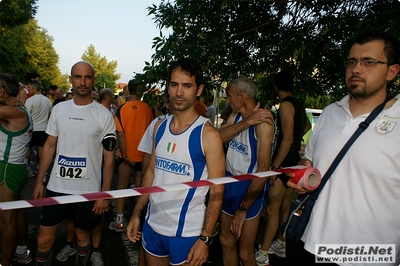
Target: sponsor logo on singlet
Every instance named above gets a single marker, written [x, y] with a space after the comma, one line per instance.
[72, 162]
[172, 166]
[239, 147]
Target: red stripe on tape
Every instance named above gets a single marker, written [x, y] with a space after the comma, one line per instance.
[244, 177]
[42, 202]
[97, 196]
[149, 190]
[199, 183]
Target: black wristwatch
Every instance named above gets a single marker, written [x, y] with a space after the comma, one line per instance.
[206, 239]
[243, 208]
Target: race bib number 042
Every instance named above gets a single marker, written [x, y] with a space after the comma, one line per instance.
[71, 167]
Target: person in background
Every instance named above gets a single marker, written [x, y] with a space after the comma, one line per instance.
[50, 93]
[39, 106]
[249, 151]
[359, 204]
[69, 96]
[15, 134]
[210, 111]
[95, 96]
[200, 107]
[292, 124]
[123, 97]
[58, 96]
[106, 98]
[132, 120]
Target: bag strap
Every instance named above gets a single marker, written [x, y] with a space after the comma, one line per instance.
[361, 127]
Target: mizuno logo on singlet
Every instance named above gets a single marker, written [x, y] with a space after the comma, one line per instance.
[239, 147]
[172, 166]
[67, 161]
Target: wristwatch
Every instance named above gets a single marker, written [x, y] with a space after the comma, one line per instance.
[243, 208]
[206, 239]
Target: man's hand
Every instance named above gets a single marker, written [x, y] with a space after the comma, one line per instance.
[296, 187]
[38, 191]
[260, 115]
[132, 229]
[128, 161]
[198, 254]
[237, 223]
[100, 207]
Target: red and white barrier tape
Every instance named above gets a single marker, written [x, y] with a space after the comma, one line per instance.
[298, 170]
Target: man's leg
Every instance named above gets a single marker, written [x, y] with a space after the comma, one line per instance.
[228, 242]
[96, 236]
[96, 257]
[247, 241]
[69, 249]
[22, 254]
[152, 260]
[138, 174]
[8, 227]
[124, 171]
[276, 195]
[83, 246]
[47, 236]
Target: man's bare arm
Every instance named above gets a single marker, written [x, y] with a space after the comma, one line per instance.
[48, 152]
[286, 113]
[229, 130]
[215, 160]
[265, 136]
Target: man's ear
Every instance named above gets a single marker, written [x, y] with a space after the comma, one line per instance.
[200, 90]
[393, 71]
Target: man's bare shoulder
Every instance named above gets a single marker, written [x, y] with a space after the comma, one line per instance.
[211, 134]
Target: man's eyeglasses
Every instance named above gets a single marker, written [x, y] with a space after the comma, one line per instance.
[367, 63]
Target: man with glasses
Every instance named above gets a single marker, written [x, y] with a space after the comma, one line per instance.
[359, 204]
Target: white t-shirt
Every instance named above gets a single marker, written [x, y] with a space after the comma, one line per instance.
[211, 113]
[80, 131]
[39, 106]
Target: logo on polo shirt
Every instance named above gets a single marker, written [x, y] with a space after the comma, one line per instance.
[384, 126]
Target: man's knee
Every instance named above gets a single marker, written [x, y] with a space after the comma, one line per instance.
[246, 254]
[227, 241]
[82, 237]
[45, 241]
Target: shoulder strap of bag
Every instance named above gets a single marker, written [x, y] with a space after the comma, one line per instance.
[361, 127]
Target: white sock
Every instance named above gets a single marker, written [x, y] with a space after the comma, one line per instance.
[21, 249]
[119, 217]
[283, 243]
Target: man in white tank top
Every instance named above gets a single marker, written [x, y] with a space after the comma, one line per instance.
[186, 147]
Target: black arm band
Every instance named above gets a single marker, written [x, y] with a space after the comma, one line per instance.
[109, 142]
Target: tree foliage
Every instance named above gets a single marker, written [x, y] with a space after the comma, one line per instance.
[259, 38]
[105, 71]
[16, 12]
[25, 47]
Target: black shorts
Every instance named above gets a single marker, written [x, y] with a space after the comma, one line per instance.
[38, 139]
[81, 213]
[137, 167]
